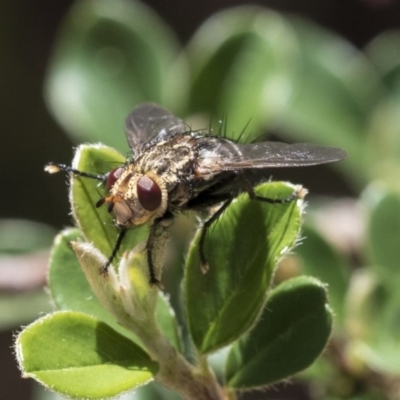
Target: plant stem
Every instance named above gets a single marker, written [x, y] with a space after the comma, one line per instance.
[177, 374]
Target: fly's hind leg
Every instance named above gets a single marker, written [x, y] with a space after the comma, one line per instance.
[206, 200]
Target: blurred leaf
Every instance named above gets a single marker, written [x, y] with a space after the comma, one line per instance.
[22, 308]
[292, 332]
[242, 248]
[245, 57]
[383, 239]
[96, 222]
[383, 148]
[373, 320]
[322, 261]
[284, 72]
[78, 356]
[23, 259]
[109, 57]
[384, 135]
[338, 90]
[384, 52]
[19, 236]
[78, 296]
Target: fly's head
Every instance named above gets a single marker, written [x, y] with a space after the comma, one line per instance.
[134, 198]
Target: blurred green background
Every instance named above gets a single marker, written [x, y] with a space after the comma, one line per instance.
[330, 75]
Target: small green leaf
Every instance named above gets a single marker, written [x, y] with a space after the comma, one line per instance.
[109, 57]
[96, 223]
[70, 290]
[80, 357]
[322, 261]
[292, 331]
[242, 248]
[383, 239]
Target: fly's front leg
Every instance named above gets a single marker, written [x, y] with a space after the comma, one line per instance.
[204, 266]
[120, 238]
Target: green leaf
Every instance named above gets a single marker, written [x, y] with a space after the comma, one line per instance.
[96, 223]
[322, 261]
[71, 291]
[109, 57]
[242, 248]
[246, 58]
[292, 331]
[383, 239]
[80, 357]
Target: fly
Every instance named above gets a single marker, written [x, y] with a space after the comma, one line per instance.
[174, 169]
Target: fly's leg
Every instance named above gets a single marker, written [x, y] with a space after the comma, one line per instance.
[120, 237]
[207, 199]
[150, 248]
[204, 266]
[53, 168]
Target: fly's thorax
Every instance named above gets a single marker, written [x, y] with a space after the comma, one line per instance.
[138, 198]
[172, 158]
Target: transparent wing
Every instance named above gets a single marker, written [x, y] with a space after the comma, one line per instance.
[148, 122]
[276, 154]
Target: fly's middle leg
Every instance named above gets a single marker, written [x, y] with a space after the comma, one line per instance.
[204, 266]
[156, 232]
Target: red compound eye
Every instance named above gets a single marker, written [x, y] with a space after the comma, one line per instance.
[149, 193]
[113, 176]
